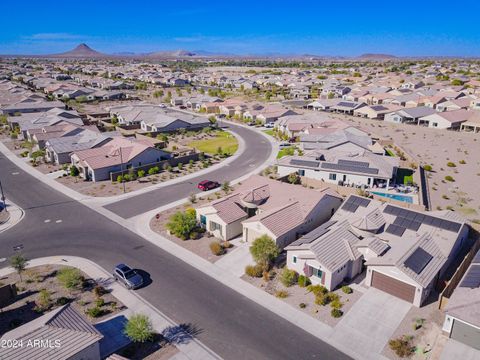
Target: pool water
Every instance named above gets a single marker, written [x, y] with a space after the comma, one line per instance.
[403, 198]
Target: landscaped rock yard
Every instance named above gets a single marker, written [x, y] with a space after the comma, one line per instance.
[45, 288]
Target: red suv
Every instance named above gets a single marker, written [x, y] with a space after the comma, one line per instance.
[206, 185]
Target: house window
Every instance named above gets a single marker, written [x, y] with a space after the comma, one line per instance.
[316, 272]
[301, 172]
[214, 226]
[203, 220]
[332, 176]
[368, 181]
[294, 259]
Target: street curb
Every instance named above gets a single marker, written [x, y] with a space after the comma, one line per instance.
[11, 222]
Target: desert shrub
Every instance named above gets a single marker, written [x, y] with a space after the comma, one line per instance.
[336, 313]
[303, 281]
[94, 312]
[44, 299]
[402, 346]
[427, 168]
[153, 170]
[463, 162]
[336, 304]
[302, 305]
[449, 178]
[119, 178]
[217, 248]
[99, 290]
[139, 328]
[317, 289]
[288, 277]
[254, 270]
[70, 278]
[451, 164]
[282, 294]
[141, 173]
[62, 301]
[99, 302]
[347, 289]
[226, 244]
[321, 299]
[74, 171]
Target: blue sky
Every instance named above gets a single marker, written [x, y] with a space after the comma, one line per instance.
[347, 28]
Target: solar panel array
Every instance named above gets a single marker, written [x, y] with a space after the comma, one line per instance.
[417, 218]
[472, 277]
[350, 168]
[354, 163]
[476, 258]
[315, 233]
[395, 230]
[418, 260]
[304, 163]
[354, 202]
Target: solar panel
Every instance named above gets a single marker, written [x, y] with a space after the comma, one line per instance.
[348, 206]
[354, 163]
[418, 260]
[349, 168]
[391, 210]
[472, 277]
[395, 230]
[419, 218]
[411, 215]
[414, 225]
[304, 163]
[358, 200]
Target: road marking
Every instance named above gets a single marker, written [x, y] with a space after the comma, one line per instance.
[47, 221]
[3, 260]
[15, 173]
[58, 221]
[252, 165]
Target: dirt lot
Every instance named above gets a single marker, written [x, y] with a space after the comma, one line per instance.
[298, 295]
[437, 148]
[45, 277]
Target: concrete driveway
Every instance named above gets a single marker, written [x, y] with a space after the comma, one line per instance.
[370, 323]
[456, 350]
[236, 260]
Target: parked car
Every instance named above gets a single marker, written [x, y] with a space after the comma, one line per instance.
[269, 125]
[127, 276]
[284, 145]
[206, 185]
[252, 123]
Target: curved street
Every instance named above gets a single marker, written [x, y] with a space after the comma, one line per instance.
[230, 324]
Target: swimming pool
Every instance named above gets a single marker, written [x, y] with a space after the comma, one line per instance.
[398, 197]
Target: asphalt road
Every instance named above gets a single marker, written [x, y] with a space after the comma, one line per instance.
[257, 151]
[231, 325]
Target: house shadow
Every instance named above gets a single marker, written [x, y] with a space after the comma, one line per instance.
[181, 334]
[147, 280]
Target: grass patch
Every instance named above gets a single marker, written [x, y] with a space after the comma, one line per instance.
[405, 176]
[390, 152]
[288, 151]
[269, 132]
[222, 139]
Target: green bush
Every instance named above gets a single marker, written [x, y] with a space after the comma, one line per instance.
[347, 289]
[217, 248]
[119, 178]
[427, 168]
[254, 270]
[451, 164]
[317, 289]
[449, 178]
[288, 277]
[303, 281]
[302, 305]
[74, 171]
[463, 162]
[153, 170]
[141, 173]
[70, 278]
[321, 299]
[99, 302]
[336, 313]
[336, 304]
[62, 301]
[94, 312]
[139, 328]
[181, 224]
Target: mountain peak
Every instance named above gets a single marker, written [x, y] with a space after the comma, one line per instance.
[82, 50]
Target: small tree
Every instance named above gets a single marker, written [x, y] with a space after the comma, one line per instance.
[181, 224]
[74, 171]
[139, 328]
[293, 178]
[19, 263]
[44, 299]
[264, 250]
[226, 187]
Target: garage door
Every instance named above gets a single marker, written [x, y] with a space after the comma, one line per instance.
[393, 286]
[466, 334]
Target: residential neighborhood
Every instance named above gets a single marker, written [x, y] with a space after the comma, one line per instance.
[275, 195]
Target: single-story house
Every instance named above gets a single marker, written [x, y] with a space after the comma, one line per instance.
[446, 119]
[462, 313]
[406, 252]
[263, 206]
[64, 334]
[409, 115]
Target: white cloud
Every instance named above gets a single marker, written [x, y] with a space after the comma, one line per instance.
[53, 36]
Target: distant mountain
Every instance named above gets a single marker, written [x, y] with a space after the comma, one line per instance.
[171, 54]
[376, 57]
[81, 51]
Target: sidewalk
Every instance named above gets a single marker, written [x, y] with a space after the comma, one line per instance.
[192, 349]
[10, 218]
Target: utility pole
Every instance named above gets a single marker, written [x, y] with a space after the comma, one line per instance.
[121, 167]
[3, 196]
